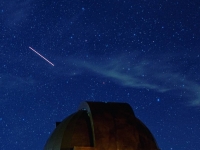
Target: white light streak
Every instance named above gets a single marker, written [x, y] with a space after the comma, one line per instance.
[41, 56]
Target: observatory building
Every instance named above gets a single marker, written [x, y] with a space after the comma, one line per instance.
[101, 126]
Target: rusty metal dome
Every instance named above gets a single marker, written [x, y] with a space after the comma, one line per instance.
[102, 126]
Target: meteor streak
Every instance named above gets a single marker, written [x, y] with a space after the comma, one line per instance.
[41, 56]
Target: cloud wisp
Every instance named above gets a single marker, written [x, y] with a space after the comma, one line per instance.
[8, 81]
[144, 74]
[16, 12]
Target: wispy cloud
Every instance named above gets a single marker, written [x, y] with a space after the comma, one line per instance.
[8, 81]
[10, 85]
[152, 74]
[194, 96]
[15, 12]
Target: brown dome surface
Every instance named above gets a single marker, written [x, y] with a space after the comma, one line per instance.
[102, 126]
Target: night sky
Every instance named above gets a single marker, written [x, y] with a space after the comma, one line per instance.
[142, 52]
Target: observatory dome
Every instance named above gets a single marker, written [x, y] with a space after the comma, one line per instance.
[101, 126]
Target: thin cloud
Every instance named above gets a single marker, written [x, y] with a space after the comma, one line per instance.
[8, 81]
[15, 12]
[195, 94]
[146, 73]
[122, 77]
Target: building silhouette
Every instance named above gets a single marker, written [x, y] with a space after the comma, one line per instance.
[101, 126]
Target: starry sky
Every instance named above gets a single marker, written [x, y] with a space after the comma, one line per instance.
[142, 52]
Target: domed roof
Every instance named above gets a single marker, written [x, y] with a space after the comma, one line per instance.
[102, 126]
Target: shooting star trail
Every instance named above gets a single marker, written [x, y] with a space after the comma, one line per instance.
[41, 56]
